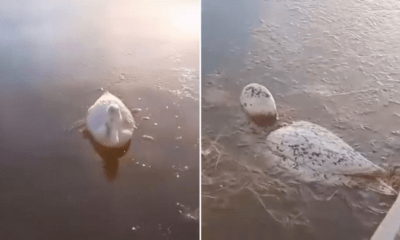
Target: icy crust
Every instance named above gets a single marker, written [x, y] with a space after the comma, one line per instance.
[259, 104]
[313, 154]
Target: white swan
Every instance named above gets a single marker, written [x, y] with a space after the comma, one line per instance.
[310, 152]
[110, 122]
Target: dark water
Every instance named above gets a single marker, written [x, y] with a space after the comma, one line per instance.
[334, 63]
[55, 57]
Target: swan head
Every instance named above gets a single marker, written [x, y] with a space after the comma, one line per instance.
[112, 124]
[259, 104]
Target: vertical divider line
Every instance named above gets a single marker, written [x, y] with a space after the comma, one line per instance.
[200, 122]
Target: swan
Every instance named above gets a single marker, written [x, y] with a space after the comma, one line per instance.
[110, 122]
[309, 152]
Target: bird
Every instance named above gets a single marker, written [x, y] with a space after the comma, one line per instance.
[110, 122]
[309, 152]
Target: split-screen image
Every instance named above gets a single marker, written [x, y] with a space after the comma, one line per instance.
[199, 119]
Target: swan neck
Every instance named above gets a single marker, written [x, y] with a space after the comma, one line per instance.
[114, 136]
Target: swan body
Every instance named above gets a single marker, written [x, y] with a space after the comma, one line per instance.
[110, 122]
[310, 152]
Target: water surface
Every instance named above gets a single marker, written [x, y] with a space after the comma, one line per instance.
[57, 58]
[332, 63]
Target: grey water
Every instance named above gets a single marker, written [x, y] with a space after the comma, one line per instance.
[333, 63]
[225, 32]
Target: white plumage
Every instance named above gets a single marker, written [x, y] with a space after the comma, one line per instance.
[110, 122]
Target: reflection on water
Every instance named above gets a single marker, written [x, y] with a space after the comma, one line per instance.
[110, 156]
[328, 62]
[55, 57]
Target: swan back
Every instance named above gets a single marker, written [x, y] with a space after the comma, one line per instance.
[313, 153]
[110, 122]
